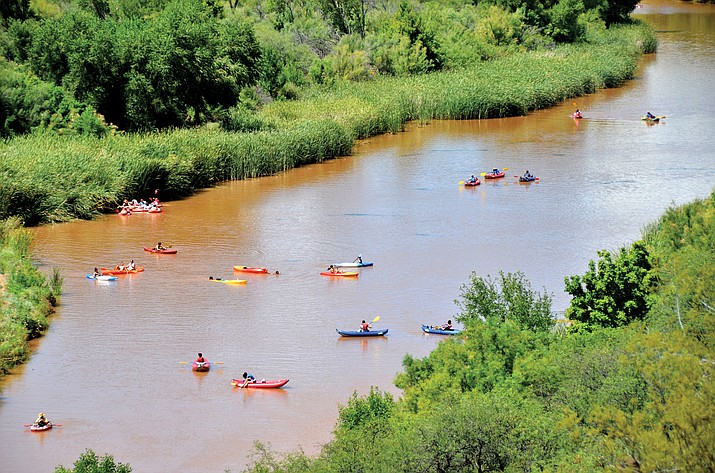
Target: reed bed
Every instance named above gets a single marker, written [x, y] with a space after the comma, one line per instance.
[48, 178]
[26, 299]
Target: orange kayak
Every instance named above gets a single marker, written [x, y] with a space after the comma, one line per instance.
[119, 272]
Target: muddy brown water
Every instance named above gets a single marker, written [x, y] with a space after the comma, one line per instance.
[109, 368]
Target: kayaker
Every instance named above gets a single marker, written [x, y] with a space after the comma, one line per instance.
[41, 420]
[527, 175]
[200, 358]
[332, 268]
[649, 115]
[96, 273]
[495, 171]
[132, 266]
[448, 325]
[159, 247]
[121, 267]
[358, 259]
[248, 378]
[365, 327]
[472, 179]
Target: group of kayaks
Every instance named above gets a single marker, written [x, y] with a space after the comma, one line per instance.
[334, 270]
[379, 333]
[205, 366]
[496, 174]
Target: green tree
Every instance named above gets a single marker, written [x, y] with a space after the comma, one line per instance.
[508, 297]
[614, 293]
[564, 25]
[14, 9]
[89, 462]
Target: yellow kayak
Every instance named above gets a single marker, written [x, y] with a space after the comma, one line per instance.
[230, 281]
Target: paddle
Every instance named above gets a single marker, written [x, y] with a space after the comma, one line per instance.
[461, 183]
[214, 362]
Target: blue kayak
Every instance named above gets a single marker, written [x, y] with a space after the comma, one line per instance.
[102, 278]
[360, 333]
[431, 329]
[352, 265]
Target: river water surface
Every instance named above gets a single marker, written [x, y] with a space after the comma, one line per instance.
[109, 367]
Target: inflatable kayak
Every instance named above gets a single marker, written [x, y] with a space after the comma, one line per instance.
[492, 175]
[249, 269]
[577, 115]
[472, 183]
[167, 251]
[360, 333]
[119, 272]
[37, 428]
[344, 274]
[262, 384]
[230, 281]
[201, 366]
[102, 277]
[527, 179]
[352, 265]
[433, 329]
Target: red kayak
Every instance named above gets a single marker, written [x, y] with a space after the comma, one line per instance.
[248, 269]
[201, 366]
[492, 175]
[263, 384]
[36, 428]
[472, 183]
[119, 272]
[167, 251]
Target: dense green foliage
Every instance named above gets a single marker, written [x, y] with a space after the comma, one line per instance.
[613, 294]
[636, 393]
[89, 462]
[177, 63]
[27, 297]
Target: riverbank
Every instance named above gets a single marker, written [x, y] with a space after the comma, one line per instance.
[84, 177]
[27, 297]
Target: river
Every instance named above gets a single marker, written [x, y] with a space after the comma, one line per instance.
[109, 367]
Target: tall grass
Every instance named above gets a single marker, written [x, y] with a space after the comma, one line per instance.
[26, 298]
[48, 178]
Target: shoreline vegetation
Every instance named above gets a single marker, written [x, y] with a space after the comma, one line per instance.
[27, 297]
[82, 176]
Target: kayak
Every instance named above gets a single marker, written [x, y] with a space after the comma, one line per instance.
[36, 428]
[360, 333]
[577, 115]
[527, 179]
[249, 269]
[167, 251]
[230, 281]
[201, 366]
[102, 277]
[352, 265]
[345, 274]
[472, 184]
[652, 119]
[263, 384]
[491, 175]
[119, 272]
[432, 329]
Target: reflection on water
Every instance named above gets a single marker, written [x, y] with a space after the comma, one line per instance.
[109, 371]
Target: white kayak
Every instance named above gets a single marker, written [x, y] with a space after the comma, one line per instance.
[352, 265]
[102, 278]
